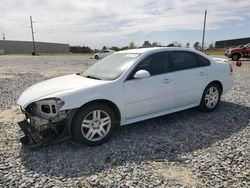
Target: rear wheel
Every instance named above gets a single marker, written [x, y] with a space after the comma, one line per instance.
[235, 57]
[210, 98]
[96, 57]
[93, 124]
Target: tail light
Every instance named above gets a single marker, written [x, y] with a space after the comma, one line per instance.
[231, 69]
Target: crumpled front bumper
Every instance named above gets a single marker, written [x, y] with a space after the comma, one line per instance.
[26, 128]
[33, 137]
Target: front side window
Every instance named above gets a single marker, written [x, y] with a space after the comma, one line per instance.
[181, 60]
[155, 64]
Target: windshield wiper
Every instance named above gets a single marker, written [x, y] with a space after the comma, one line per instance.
[93, 77]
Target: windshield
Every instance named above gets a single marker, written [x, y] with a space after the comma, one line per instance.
[247, 46]
[111, 67]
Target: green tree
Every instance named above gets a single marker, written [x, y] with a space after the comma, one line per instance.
[131, 45]
[124, 48]
[156, 44]
[80, 49]
[146, 44]
[197, 46]
[115, 48]
[170, 45]
[176, 44]
[211, 46]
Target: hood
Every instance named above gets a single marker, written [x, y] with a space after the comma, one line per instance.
[233, 49]
[55, 85]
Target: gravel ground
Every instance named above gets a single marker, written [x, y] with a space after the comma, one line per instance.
[184, 149]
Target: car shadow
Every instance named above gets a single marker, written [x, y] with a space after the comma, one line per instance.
[159, 139]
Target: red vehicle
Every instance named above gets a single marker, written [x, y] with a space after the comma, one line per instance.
[238, 52]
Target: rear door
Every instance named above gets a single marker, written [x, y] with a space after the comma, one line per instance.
[152, 94]
[190, 77]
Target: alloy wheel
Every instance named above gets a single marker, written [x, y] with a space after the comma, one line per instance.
[212, 97]
[96, 125]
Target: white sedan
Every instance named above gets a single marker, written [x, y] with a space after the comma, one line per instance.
[103, 53]
[123, 88]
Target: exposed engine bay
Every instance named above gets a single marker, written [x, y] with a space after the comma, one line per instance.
[44, 122]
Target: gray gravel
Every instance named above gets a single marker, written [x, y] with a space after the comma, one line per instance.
[185, 149]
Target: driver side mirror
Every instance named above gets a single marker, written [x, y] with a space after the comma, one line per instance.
[141, 74]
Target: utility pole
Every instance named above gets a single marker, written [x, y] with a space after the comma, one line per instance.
[3, 36]
[32, 32]
[204, 28]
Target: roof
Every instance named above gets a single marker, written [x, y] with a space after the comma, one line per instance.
[157, 49]
[162, 49]
[140, 50]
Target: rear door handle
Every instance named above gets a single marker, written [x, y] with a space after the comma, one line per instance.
[201, 73]
[166, 80]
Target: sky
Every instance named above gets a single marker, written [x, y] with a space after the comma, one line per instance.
[118, 22]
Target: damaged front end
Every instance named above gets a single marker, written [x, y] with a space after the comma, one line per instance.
[44, 122]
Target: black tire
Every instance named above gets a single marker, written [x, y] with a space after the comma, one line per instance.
[235, 57]
[204, 107]
[96, 57]
[77, 132]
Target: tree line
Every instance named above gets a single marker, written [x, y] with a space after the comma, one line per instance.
[131, 45]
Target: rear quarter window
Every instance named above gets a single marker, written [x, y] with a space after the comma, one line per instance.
[202, 61]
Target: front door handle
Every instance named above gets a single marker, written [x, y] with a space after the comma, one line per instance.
[166, 80]
[201, 73]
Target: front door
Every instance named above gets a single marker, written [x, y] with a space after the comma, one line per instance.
[152, 94]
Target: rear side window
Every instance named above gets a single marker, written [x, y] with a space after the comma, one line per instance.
[202, 61]
[181, 60]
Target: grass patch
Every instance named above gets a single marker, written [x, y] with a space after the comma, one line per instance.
[219, 52]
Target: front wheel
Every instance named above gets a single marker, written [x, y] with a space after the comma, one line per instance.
[96, 57]
[235, 57]
[210, 98]
[93, 124]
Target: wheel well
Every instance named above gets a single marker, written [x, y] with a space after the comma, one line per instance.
[218, 83]
[109, 104]
[237, 54]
